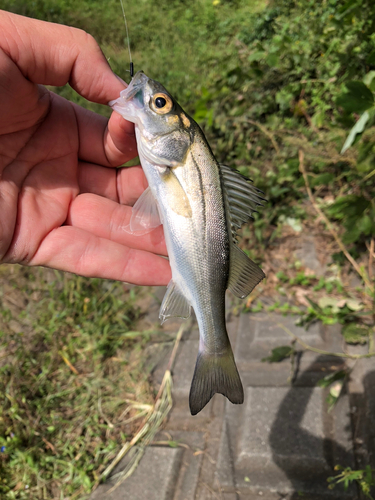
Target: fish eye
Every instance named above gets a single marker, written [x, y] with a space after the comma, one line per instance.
[161, 103]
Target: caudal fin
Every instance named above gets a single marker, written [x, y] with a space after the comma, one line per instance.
[214, 373]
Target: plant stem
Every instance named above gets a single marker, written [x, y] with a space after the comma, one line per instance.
[321, 351]
[328, 223]
[266, 133]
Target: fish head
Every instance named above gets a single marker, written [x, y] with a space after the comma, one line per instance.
[164, 132]
[149, 105]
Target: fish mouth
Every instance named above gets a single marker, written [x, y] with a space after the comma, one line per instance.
[136, 84]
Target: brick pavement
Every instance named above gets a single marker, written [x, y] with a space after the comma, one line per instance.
[280, 444]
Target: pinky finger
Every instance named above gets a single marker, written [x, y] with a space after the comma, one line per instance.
[72, 249]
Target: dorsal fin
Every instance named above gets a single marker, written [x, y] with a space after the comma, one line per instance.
[241, 198]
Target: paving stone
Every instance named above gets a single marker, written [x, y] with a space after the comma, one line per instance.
[184, 368]
[260, 333]
[208, 492]
[225, 462]
[154, 479]
[190, 464]
[308, 255]
[272, 416]
[369, 385]
[341, 435]
[279, 442]
[181, 419]
[306, 374]
[264, 495]
[362, 397]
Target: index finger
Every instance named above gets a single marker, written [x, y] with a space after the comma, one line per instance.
[52, 54]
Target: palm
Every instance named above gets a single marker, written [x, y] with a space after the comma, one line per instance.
[61, 203]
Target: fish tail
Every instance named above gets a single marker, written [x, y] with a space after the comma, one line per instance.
[215, 373]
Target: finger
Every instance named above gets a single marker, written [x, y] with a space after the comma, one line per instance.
[119, 136]
[124, 185]
[72, 249]
[55, 55]
[107, 219]
[131, 182]
[105, 143]
[52, 54]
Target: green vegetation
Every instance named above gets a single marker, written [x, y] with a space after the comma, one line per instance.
[363, 477]
[71, 374]
[280, 88]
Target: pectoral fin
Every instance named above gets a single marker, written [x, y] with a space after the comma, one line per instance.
[145, 215]
[244, 274]
[174, 304]
[176, 197]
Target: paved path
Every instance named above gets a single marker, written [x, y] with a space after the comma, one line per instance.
[280, 444]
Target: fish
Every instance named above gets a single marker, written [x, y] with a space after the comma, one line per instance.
[201, 205]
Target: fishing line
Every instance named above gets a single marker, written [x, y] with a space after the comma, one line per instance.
[131, 65]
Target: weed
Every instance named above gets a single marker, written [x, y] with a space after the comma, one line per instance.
[364, 478]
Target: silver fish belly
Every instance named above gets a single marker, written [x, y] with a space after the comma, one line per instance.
[201, 204]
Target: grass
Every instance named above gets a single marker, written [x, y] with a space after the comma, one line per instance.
[71, 372]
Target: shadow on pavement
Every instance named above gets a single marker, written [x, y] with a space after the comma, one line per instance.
[307, 441]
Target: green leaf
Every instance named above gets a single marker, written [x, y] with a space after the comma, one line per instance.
[322, 179]
[358, 128]
[173, 444]
[369, 80]
[272, 60]
[256, 56]
[295, 224]
[279, 353]
[331, 378]
[356, 334]
[354, 305]
[358, 98]
[329, 302]
[371, 58]
[336, 389]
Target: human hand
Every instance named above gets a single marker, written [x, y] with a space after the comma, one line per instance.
[62, 202]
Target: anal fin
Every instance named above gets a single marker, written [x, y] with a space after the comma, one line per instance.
[174, 304]
[244, 274]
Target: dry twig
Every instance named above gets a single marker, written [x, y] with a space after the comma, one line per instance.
[69, 364]
[145, 435]
[371, 255]
[267, 133]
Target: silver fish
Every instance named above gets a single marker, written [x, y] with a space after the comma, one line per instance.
[201, 205]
